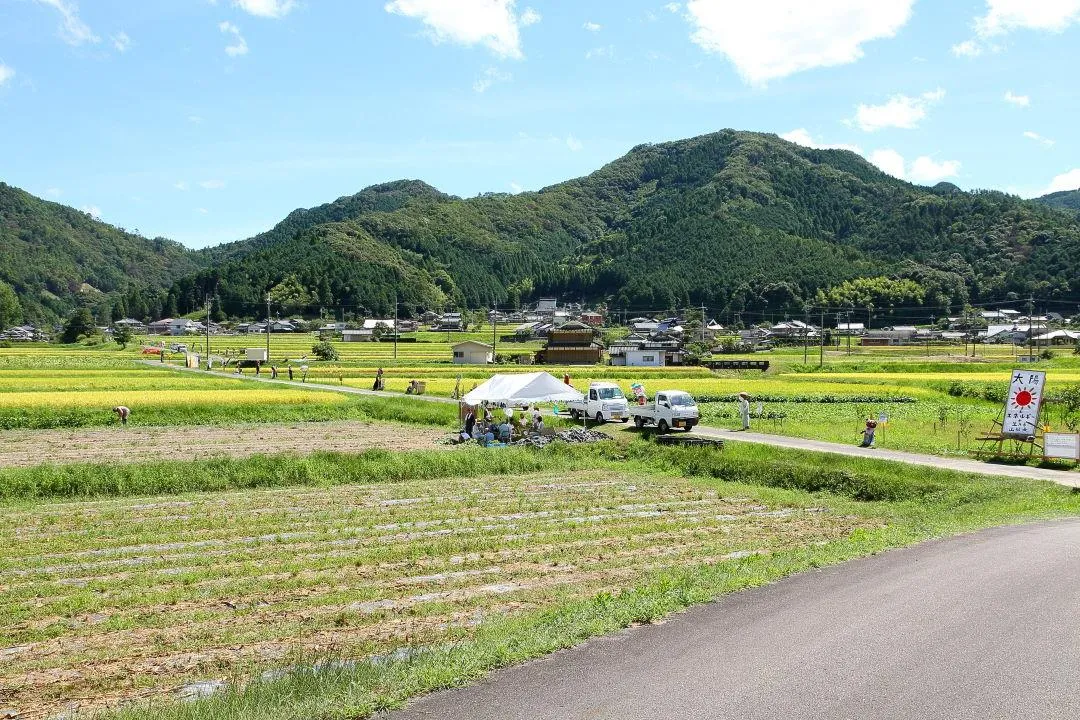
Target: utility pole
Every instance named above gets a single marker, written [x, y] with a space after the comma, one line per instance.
[849, 333]
[267, 327]
[821, 352]
[207, 332]
[395, 325]
[806, 332]
[703, 321]
[494, 320]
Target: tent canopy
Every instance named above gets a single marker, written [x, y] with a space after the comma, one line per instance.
[522, 388]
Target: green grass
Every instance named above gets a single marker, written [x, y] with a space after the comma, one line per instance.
[312, 537]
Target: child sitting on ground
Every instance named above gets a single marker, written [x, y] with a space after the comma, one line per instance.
[868, 434]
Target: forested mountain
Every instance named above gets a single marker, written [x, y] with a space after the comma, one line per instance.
[737, 221]
[1064, 200]
[734, 220]
[57, 258]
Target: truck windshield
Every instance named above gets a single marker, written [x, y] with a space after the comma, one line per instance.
[610, 393]
[681, 400]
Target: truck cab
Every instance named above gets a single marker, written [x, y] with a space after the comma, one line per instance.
[604, 401]
[669, 409]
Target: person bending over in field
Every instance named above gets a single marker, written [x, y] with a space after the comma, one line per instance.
[122, 413]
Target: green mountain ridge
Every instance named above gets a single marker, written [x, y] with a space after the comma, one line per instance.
[738, 221]
[56, 257]
[1062, 200]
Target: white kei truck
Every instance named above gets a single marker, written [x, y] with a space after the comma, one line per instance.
[668, 409]
[604, 401]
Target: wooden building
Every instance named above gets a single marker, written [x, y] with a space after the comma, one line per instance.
[572, 343]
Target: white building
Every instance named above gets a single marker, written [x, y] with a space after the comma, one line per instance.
[471, 352]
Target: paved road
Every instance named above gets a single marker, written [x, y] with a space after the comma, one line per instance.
[1062, 477]
[975, 627]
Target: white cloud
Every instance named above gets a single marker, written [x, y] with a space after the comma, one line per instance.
[889, 161]
[491, 23]
[1003, 16]
[900, 111]
[515, 188]
[1065, 181]
[212, 184]
[968, 48]
[239, 46]
[6, 73]
[800, 136]
[121, 41]
[1047, 142]
[673, 7]
[54, 192]
[266, 8]
[600, 52]
[769, 39]
[573, 143]
[92, 210]
[180, 185]
[591, 27]
[202, 211]
[73, 30]
[926, 171]
[195, 119]
[1017, 100]
[491, 76]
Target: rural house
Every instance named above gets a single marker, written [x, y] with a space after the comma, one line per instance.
[471, 352]
[571, 343]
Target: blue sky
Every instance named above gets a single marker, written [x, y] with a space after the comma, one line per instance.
[209, 121]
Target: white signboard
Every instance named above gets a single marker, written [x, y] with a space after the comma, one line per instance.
[1062, 445]
[1022, 405]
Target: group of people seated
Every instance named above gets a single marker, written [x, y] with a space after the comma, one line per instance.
[488, 429]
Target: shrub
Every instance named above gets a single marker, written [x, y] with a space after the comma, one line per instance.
[324, 351]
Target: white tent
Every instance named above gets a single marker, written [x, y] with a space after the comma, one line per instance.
[522, 388]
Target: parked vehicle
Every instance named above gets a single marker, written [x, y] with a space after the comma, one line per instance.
[604, 401]
[668, 409]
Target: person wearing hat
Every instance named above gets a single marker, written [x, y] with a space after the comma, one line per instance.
[744, 410]
[868, 433]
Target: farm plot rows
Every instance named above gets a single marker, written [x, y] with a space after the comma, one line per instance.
[111, 600]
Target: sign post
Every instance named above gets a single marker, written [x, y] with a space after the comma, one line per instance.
[1062, 446]
[1023, 404]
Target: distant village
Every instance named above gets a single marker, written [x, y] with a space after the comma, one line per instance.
[575, 334]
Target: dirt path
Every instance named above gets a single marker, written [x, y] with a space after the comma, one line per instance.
[22, 448]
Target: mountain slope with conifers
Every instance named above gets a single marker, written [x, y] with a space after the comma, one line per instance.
[735, 220]
[56, 258]
[738, 221]
[1063, 200]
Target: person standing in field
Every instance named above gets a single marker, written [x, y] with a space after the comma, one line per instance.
[868, 434]
[122, 412]
[290, 372]
[744, 410]
[273, 373]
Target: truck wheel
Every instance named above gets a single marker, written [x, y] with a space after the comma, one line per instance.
[639, 422]
[599, 418]
[662, 427]
[626, 419]
[575, 415]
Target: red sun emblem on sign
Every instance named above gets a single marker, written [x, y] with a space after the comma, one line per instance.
[1023, 398]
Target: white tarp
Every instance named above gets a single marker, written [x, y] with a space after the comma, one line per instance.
[522, 388]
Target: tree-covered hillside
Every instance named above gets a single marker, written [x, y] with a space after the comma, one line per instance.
[57, 258]
[735, 220]
[1064, 200]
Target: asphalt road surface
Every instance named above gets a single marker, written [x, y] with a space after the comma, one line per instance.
[980, 626]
